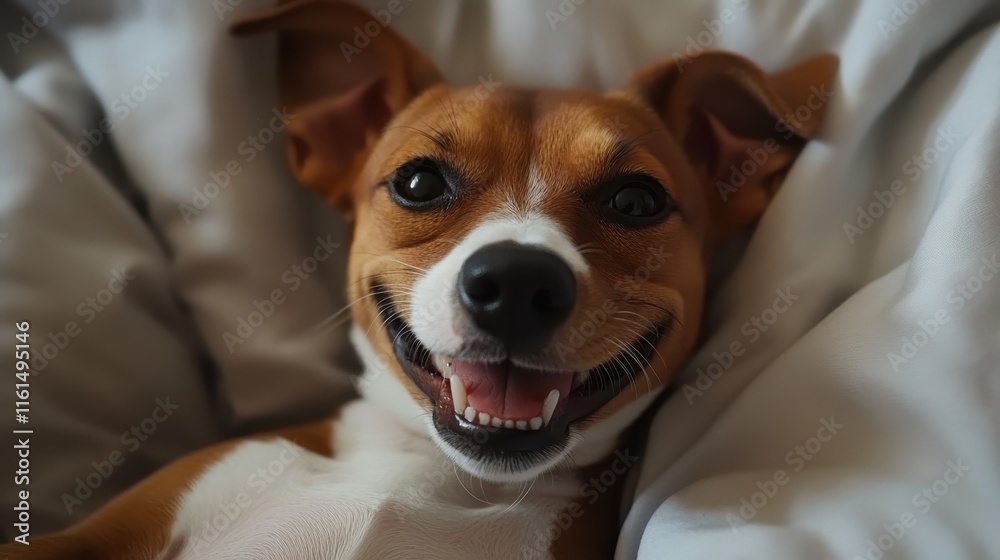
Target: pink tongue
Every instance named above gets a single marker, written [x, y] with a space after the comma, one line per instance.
[508, 391]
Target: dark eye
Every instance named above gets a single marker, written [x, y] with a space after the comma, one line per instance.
[419, 186]
[635, 201]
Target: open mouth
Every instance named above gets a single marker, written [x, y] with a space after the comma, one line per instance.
[504, 409]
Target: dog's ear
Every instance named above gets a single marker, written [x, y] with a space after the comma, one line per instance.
[343, 74]
[740, 127]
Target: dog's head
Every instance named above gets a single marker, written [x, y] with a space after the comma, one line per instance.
[530, 265]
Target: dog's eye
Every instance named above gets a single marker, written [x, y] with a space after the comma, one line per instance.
[635, 201]
[419, 185]
[422, 186]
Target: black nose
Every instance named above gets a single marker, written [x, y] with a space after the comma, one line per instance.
[518, 294]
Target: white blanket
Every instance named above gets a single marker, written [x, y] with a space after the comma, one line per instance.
[845, 401]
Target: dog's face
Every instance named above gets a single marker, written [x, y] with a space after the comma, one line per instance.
[533, 262]
[530, 263]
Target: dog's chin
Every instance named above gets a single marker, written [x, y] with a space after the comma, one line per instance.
[540, 407]
[509, 470]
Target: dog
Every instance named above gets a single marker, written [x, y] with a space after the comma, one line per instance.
[528, 269]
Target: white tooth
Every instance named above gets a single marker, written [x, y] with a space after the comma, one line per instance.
[443, 365]
[458, 395]
[484, 419]
[496, 422]
[548, 407]
[509, 424]
[522, 425]
[470, 414]
[535, 423]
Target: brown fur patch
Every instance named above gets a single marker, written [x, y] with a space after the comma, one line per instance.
[137, 524]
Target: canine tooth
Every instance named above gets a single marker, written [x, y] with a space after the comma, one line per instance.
[443, 365]
[470, 413]
[549, 406]
[535, 423]
[458, 395]
[484, 419]
[496, 422]
[509, 424]
[522, 425]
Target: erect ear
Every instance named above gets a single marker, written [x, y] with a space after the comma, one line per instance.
[740, 127]
[342, 74]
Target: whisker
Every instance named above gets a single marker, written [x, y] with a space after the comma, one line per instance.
[326, 321]
[467, 491]
[390, 259]
[520, 497]
[637, 301]
[628, 353]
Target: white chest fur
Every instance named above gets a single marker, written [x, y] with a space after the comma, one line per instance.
[388, 493]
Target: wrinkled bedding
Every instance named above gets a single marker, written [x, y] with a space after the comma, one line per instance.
[844, 403]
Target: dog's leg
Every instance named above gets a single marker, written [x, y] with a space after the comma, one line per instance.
[137, 525]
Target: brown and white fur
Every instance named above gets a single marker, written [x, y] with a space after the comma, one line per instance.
[384, 478]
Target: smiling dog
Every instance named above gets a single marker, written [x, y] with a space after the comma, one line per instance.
[528, 268]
